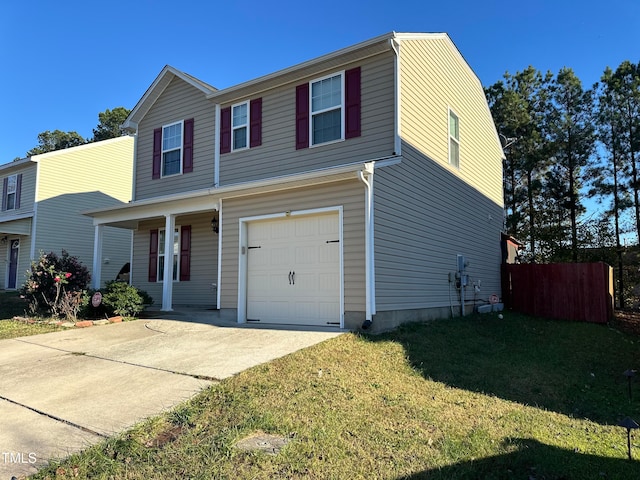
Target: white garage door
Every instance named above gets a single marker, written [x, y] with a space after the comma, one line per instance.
[293, 270]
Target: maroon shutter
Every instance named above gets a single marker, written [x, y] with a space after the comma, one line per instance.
[185, 253]
[18, 190]
[157, 152]
[187, 150]
[352, 103]
[302, 116]
[153, 255]
[5, 187]
[225, 130]
[255, 131]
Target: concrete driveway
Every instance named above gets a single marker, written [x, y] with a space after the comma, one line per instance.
[61, 392]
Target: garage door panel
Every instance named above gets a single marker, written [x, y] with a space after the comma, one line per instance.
[304, 245]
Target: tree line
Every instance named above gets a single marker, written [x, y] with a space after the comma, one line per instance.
[564, 144]
[109, 126]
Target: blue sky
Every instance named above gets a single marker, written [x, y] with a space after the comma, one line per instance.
[64, 62]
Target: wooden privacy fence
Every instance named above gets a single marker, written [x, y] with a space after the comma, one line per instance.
[570, 291]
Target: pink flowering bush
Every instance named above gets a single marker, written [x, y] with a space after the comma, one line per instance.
[55, 281]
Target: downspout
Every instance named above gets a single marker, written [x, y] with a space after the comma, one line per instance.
[216, 154]
[220, 231]
[366, 177]
[395, 46]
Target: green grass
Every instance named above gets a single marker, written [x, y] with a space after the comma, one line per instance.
[11, 305]
[466, 398]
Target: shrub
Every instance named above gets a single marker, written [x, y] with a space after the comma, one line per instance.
[55, 284]
[124, 299]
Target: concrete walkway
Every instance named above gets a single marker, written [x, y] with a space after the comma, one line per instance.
[61, 392]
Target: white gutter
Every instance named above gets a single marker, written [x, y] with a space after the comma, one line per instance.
[395, 46]
[216, 155]
[220, 230]
[366, 177]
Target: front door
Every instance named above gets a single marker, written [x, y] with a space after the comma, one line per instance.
[293, 271]
[13, 264]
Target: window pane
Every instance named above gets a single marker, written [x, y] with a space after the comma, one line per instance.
[160, 268]
[453, 126]
[327, 126]
[161, 242]
[175, 267]
[240, 115]
[11, 201]
[454, 153]
[11, 183]
[171, 163]
[326, 93]
[172, 137]
[240, 138]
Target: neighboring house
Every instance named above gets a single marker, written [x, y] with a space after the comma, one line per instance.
[335, 192]
[43, 198]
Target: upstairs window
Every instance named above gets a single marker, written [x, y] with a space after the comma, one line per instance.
[326, 110]
[11, 187]
[454, 140]
[240, 126]
[173, 149]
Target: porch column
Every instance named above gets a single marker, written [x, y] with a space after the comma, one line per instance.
[167, 278]
[97, 256]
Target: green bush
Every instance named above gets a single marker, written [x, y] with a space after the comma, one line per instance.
[123, 299]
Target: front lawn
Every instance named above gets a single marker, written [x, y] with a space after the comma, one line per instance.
[479, 397]
[11, 305]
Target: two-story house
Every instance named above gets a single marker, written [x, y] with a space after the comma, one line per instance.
[339, 191]
[43, 198]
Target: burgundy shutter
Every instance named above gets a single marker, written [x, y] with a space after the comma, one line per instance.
[153, 255]
[185, 253]
[225, 130]
[5, 187]
[187, 150]
[18, 190]
[255, 131]
[302, 116]
[352, 103]
[157, 152]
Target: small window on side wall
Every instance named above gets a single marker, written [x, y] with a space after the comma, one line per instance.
[454, 139]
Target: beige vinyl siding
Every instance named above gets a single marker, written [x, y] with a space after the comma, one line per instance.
[78, 179]
[434, 78]
[27, 191]
[424, 215]
[179, 101]
[278, 155]
[204, 262]
[348, 194]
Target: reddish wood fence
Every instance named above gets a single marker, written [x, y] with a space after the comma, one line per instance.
[571, 291]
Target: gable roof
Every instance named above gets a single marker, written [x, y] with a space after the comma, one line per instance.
[161, 82]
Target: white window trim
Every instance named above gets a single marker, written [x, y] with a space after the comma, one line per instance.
[342, 109]
[160, 275]
[181, 148]
[450, 112]
[14, 192]
[233, 128]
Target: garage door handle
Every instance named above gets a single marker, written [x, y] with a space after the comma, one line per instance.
[293, 278]
[289, 277]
